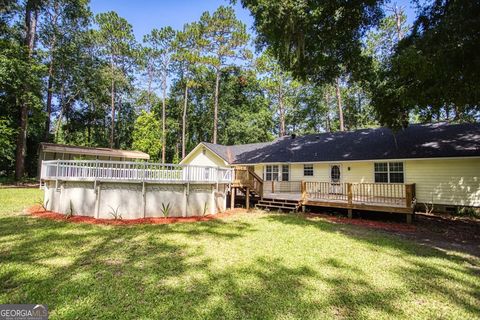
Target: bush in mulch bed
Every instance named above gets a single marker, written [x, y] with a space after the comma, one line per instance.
[38, 211]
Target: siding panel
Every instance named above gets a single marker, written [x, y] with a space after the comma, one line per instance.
[450, 182]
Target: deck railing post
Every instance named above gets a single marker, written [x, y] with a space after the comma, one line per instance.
[349, 193]
[303, 187]
[409, 194]
[273, 186]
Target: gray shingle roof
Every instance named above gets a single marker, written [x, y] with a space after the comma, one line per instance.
[417, 141]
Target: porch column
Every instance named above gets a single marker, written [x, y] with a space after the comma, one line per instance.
[232, 198]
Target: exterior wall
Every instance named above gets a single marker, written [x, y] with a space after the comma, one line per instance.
[129, 200]
[198, 158]
[448, 182]
[259, 170]
[453, 182]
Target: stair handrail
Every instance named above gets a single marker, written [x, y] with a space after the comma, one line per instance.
[257, 183]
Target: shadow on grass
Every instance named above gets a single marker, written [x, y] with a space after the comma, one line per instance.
[163, 271]
[424, 268]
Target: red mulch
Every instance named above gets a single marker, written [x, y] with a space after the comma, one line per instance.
[37, 211]
[383, 225]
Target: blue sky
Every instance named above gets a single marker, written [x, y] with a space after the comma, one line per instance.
[144, 15]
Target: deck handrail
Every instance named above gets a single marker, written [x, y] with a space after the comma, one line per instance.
[132, 171]
[246, 177]
[401, 194]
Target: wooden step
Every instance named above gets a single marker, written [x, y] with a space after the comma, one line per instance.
[288, 205]
[267, 206]
[280, 200]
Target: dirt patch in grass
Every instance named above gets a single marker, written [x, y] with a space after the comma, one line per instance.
[441, 232]
[373, 224]
[447, 232]
[39, 212]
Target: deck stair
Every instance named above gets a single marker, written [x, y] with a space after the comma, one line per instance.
[278, 204]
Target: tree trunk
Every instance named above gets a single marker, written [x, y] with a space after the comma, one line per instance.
[339, 104]
[62, 110]
[112, 103]
[149, 89]
[89, 127]
[281, 111]
[119, 123]
[31, 14]
[215, 109]
[184, 120]
[53, 44]
[398, 21]
[49, 101]
[164, 134]
[327, 101]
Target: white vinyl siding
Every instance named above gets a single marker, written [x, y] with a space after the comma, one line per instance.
[450, 181]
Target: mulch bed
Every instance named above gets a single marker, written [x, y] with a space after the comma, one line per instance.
[39, 212]
[439, 231]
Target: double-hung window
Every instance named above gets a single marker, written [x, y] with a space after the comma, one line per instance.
[308, 170]
[389, 172]
[285, 172]
[271, 173]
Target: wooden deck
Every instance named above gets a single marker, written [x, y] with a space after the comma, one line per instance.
[380, 204]
[382, 197]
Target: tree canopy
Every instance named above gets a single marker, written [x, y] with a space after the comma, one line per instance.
[69, 76]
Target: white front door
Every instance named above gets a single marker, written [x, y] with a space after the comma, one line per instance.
[335, 179]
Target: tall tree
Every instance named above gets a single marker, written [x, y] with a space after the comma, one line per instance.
[435, 69]
[62, 19]
[279, 86]
[318, 40]
[161, 41]
[117, 43]
[225, 40]
[187, 55]
[32, 10]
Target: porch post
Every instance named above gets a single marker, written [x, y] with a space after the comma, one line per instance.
[247, 199]
[409, 199]
[349, 197]
[232, 198]
[304, 194]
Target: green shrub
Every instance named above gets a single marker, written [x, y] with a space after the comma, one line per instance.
[468, 212]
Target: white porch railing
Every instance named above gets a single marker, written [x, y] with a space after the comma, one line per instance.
[132, 171]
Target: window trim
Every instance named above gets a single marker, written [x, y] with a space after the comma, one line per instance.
[313, 169]
[339, 165]
[388, 171]
[272, 172]
[281, 172]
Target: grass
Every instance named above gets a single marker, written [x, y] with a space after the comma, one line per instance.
[251, 266]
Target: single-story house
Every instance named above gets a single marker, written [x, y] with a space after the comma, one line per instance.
[434, 164]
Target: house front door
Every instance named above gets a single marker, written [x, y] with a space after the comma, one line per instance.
[335, 179]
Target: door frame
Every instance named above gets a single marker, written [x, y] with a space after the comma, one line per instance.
[336, 187]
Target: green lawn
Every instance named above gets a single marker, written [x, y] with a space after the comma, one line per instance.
[261, 266]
